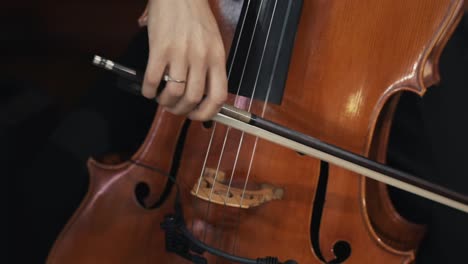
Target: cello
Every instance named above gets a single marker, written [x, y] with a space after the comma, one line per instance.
[318, 67]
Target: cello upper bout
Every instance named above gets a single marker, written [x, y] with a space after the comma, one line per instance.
[430, 72]
[392, 229]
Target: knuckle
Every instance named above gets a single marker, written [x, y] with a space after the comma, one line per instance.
[162, 101]
[177, 111]
[174, 111]
[219, 53]
[200, 55]
[175, 90]
[161, 51]
[220, 97]
[152, 79]
[179, 49]
[205, 116]
[157, 56]
[154, 72]
[194, 98]
[198, 116]
[147, 91]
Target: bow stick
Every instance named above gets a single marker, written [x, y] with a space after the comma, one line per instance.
[276, 133]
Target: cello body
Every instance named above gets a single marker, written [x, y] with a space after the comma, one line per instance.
[252, 198]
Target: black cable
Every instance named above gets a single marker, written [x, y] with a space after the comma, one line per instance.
[178, 222]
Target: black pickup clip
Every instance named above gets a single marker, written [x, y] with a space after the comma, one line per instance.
[180, 241]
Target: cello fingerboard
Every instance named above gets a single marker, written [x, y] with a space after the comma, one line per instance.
[261, 50]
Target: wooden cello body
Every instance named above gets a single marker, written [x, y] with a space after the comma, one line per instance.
[252, 198]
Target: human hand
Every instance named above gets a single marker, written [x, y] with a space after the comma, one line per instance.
[186, 44]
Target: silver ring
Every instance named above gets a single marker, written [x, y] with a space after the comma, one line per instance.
[168, 78]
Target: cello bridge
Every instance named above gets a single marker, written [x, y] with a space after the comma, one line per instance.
[214, 189]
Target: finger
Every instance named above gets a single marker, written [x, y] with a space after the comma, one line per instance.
[143, 19]
[153, 75]
[216, 94]
[174, 91]
[194, 90]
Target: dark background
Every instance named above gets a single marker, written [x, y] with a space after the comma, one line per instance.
[48, 44]
[56, 110]
[46, 75]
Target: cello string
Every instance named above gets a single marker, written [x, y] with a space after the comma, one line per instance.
[220, 230]
[251, 100]
[249, 108]
[265, 102]
[228, 77]
[228, 128]
[255, 88]
[243, 133]
[236, 100]
[240, 144]
[215, 123]
[237, 94]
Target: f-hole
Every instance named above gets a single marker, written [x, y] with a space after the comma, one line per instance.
[341, 249]
[142, 190]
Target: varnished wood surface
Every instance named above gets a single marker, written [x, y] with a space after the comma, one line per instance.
[350, 60]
